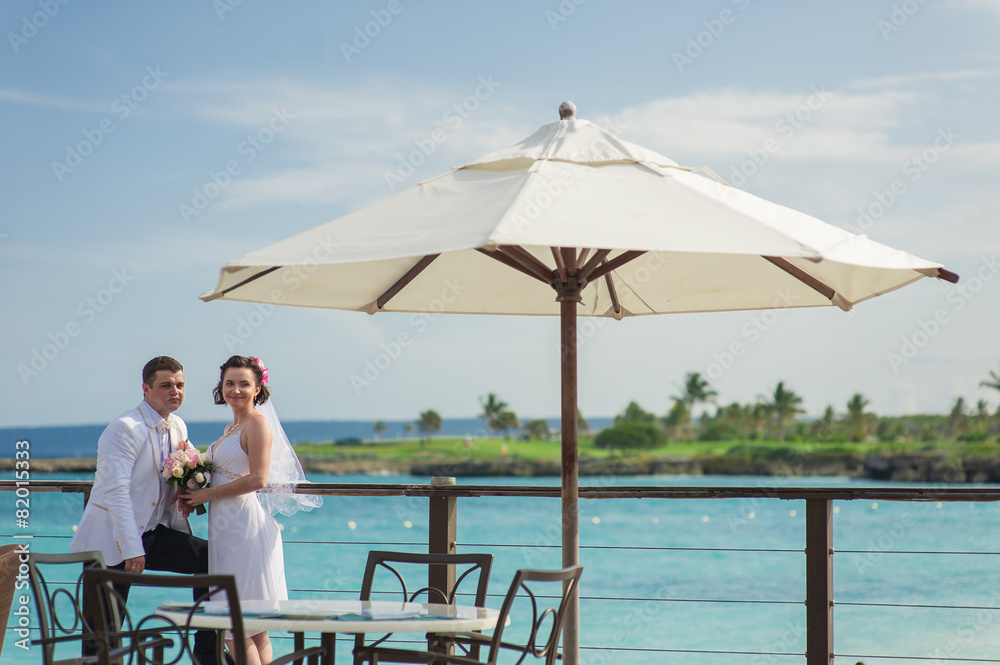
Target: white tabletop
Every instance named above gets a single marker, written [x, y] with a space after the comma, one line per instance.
[338, 616]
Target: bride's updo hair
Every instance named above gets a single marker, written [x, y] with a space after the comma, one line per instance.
[252, 364]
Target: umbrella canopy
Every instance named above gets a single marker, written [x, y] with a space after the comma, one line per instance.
[571, 221]
[708, 246]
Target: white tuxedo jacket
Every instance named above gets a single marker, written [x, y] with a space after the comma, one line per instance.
[127, 487]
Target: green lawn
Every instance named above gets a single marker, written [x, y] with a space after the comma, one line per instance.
[449, 448]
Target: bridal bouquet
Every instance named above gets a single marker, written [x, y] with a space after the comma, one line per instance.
[188, 468]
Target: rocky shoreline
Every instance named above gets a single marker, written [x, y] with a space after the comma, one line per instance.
[914, 467]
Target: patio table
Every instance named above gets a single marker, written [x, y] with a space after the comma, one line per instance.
[329, 617]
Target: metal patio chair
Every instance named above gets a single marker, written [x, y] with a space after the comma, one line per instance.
[146, 630]
[536, 630]
[385, 578]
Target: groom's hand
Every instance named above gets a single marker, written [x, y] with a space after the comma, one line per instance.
[136, 564]
[183, 505]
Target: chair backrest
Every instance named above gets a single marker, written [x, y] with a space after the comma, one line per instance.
[100, 584]
[58, 599]
[538, 637]
[9, 562]
[386, 575]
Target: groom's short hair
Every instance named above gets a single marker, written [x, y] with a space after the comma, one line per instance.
[158, 363]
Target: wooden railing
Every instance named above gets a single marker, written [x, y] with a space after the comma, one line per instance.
[443, 515]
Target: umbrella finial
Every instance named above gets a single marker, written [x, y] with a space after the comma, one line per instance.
[567, 111]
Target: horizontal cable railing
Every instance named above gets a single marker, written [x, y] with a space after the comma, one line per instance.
[598, 601]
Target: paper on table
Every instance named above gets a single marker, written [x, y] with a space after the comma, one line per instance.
[381, 614]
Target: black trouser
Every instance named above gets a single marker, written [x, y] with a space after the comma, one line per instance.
[176, 552]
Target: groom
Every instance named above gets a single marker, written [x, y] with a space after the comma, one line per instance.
[130, 518]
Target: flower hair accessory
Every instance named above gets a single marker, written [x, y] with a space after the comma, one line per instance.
[263, 378]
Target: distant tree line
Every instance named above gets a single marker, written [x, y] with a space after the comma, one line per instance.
[776, 417]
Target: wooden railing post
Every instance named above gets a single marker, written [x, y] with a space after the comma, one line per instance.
[819, 582]
[442, 534]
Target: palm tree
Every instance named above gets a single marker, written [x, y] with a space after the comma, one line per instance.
[408, 430]
[993, 383]
[678, 421]
[856, 417]
[429, 423]
[982, 414]
[784, 406]
[956, 419]
[757, 416]
[506, 421]
[496, 414]
[380, 428]
[824, 426]
[696, 391]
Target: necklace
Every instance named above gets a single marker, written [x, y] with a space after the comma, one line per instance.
[231, 427]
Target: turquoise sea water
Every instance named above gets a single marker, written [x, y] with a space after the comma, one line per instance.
[635, 549]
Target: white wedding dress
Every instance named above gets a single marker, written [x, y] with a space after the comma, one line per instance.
[243, 538]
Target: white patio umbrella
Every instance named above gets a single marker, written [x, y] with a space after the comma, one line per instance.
[572, 221]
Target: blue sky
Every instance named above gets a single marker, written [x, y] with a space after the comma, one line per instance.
[147, 144]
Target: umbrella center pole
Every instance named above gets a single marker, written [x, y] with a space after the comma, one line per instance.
[568, 299]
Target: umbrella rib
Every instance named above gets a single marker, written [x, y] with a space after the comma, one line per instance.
[804, 277]
[616, 262]
[246, 281]
[614, 294]
[401, 283]
[560, 264]
[511, 263]
[529, 260]
[941, 273]
[582, 258]
[584, 275]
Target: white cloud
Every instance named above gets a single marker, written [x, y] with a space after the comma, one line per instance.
[50, 101]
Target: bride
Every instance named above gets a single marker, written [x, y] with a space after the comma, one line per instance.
[252, 456]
